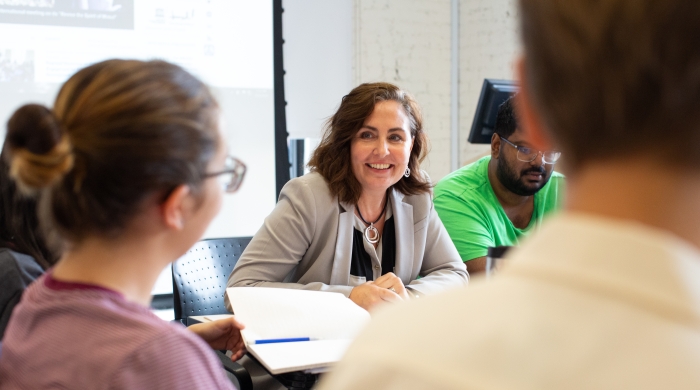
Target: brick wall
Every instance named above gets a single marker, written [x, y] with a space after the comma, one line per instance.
[407, 42]
[488, 48]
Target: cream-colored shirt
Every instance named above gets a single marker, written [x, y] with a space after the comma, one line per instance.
[588, 303]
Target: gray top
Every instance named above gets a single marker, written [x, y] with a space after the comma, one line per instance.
[17, 271]
[306, 243]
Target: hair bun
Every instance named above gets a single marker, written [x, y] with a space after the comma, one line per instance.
[39, 152]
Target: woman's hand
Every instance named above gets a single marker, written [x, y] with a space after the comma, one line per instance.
[370, 294]
[222, 334]
[393, 283]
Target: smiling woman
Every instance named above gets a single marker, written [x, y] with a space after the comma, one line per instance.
[380, 150]
[362, 223]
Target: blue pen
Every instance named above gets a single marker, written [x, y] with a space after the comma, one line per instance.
[288, 340]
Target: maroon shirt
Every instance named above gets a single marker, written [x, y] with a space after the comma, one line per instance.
[70, 335]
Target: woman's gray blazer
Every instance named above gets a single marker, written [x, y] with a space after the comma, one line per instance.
[306, 243]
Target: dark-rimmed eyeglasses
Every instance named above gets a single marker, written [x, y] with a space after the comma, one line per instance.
[529, 154]
[231, 176]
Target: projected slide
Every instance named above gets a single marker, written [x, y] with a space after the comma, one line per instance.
[227, 43]
[81, 13]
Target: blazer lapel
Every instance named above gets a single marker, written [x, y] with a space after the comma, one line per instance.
[340, 275]
[403, 221]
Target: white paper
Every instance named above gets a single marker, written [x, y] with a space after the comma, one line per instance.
[272, 313]
[331, 320]
[211, 317]
[285, 357]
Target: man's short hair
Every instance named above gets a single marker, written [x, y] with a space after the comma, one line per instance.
[616, 78]
[506, 120]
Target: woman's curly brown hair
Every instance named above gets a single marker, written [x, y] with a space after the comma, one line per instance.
[332, 157]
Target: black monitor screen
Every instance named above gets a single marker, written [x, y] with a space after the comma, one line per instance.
[493, 94]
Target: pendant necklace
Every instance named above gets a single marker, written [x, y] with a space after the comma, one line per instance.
[371, 232]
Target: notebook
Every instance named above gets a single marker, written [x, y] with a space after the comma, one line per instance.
[272, 315]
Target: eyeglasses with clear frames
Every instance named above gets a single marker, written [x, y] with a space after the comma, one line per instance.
[527, 154]
[232, 175]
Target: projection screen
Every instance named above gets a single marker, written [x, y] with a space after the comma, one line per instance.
[227, 43]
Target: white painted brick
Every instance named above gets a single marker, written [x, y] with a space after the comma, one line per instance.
[488, 48]
[407, 42]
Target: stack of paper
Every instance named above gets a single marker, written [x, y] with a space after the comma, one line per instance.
[274, 317]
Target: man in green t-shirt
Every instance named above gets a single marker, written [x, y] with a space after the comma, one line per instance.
[497, 199]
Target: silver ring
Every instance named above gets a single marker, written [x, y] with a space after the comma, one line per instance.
[392, 289]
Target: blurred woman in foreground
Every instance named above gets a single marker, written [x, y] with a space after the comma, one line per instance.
[24, 252]
[129, 159]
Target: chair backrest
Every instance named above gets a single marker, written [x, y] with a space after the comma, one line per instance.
[200, 276]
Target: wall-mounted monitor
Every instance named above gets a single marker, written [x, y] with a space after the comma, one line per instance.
[493, 94]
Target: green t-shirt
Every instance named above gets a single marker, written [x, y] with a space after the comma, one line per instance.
[474, 218]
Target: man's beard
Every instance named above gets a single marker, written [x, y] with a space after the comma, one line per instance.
[513, 182]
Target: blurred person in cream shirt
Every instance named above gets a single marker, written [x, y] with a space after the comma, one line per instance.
[606, 294]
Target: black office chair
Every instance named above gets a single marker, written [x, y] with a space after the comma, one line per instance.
[200, 276]
[199, 285]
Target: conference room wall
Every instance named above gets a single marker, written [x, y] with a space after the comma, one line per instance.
[332, 46]
[409, 42]
[318, 61]
[489, 46]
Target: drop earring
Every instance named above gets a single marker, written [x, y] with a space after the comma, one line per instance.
[407, 173]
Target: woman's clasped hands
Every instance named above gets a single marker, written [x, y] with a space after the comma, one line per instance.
[387, 288]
